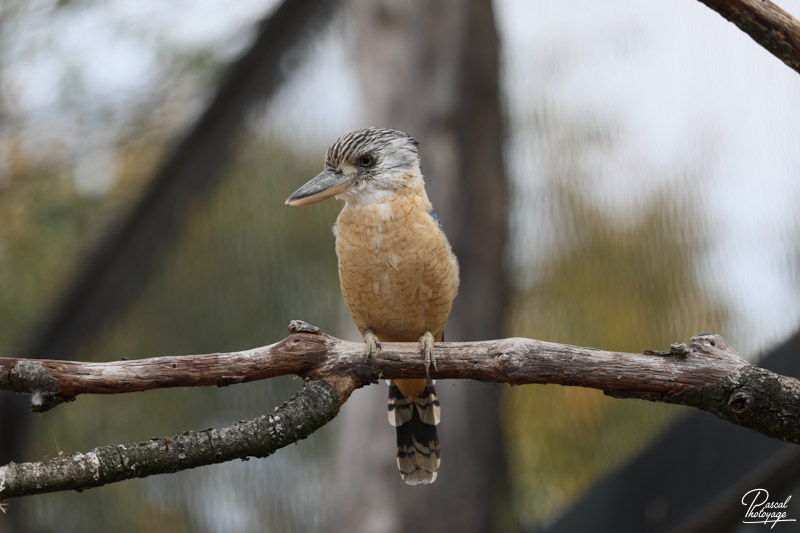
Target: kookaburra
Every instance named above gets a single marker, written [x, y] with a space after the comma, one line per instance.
[397, 271]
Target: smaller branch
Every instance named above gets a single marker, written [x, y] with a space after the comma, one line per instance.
[767, 24]
[305, 412]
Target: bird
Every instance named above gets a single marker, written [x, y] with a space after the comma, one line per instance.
[397, 272]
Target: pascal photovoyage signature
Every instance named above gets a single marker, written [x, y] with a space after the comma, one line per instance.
[760, 510]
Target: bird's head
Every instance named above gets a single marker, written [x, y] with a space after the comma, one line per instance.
[364, 166]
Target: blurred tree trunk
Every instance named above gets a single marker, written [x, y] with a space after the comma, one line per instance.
[431, 69]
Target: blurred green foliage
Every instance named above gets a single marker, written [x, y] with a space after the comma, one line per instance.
[242, 267]
[50, 222]
[624, 280]
[43, 218]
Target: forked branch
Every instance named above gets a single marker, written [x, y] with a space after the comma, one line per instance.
[707, 374]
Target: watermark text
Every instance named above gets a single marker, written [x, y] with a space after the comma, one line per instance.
[760, 510]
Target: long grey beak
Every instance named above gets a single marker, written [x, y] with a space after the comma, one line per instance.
[326, 184]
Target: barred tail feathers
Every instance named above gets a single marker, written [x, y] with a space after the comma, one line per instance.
[414, 411]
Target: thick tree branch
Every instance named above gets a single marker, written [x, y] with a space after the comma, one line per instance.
[708, 375]
[767, 24]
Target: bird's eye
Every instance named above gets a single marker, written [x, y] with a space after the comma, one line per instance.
[366, 161]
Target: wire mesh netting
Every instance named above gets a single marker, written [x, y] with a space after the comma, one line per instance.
[653, 192]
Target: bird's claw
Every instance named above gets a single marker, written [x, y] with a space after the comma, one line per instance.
[426, 348]
[373, 346]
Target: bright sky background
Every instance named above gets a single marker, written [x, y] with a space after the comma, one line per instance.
[684, 86]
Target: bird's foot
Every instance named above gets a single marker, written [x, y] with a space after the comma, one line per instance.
[373, 346]
[426, 349]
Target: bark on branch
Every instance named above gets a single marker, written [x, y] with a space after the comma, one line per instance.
[707, 374]
[305, 412]
[768, 25]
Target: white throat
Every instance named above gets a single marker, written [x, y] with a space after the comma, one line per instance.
[366, 197]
